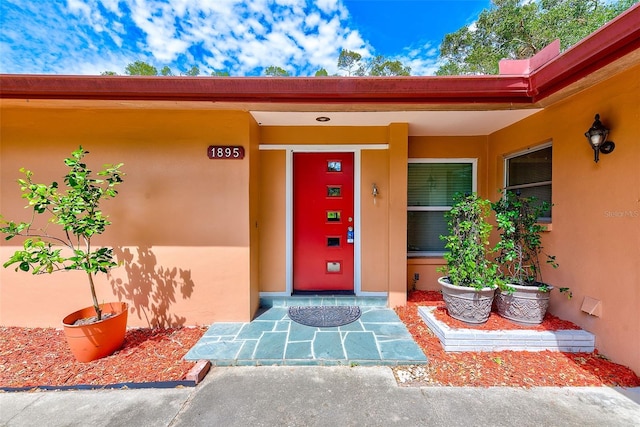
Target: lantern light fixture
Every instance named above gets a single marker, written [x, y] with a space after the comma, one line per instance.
[597, 137]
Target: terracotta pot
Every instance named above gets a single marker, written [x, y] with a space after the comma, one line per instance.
[467, 304]
[526, 304]
[96, 340]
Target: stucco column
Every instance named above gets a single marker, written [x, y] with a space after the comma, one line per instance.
[254, 215]
[398, 154]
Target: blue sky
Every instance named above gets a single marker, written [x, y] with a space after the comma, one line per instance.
[241, 37]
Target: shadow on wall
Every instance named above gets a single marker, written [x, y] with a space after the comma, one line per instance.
[151, 288]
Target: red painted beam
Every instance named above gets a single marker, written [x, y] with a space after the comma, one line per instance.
[463, 89]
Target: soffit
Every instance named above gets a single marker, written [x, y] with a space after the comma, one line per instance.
[437, 120]
[421, 123]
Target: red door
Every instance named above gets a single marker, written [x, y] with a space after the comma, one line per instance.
[323, 222]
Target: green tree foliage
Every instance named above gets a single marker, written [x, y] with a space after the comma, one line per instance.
[193, 71]
[381, 66]
[354, 65]
[351, 62]
[75, 207]
[468, 257]
[516, 29]
[274, 71]
[140, 68]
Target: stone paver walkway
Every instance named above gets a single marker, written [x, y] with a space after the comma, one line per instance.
[378, 337]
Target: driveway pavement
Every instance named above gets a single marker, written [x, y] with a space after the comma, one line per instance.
[321, 396]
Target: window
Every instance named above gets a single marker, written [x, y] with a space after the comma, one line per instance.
[432, 184]
[529, 173]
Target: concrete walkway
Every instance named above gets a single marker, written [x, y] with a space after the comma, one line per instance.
[321, 396]
[378, 337]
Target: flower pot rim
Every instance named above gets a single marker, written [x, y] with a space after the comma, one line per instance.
[486, 288]
[535, 286]
[117, 307]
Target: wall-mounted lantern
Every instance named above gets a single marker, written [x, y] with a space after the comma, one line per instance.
[597, 137]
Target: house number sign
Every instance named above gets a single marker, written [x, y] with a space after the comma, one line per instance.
[225, 152]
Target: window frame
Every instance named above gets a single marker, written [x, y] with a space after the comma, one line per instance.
[506, 187]
[474, 189]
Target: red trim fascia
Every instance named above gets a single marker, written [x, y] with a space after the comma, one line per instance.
[463, 89]
[612, 41]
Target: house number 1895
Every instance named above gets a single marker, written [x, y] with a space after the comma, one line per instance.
[225, 152]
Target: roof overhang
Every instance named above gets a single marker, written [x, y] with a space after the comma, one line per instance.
[431, 105]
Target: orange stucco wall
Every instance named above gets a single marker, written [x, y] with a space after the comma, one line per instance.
[444, 147]
[254, 216]
[595, 231]
[183, 224]
[398, 153]
[272, 274]
[309, 135]
[375, 221]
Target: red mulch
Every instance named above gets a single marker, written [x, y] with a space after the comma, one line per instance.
[31, 357]
[506, 368]
[495, 322]
[40, 357]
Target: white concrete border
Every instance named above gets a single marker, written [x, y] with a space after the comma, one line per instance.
[568, 340]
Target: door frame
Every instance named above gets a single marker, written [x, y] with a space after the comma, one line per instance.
[357, 249]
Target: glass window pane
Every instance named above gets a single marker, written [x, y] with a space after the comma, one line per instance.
[424, 230]
[542, 193]
[334, 166]
[334, 191]
[333, 216]
[530, 168]
[334, 266]
[434, 184]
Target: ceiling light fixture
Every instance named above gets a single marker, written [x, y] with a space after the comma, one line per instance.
[322, 119]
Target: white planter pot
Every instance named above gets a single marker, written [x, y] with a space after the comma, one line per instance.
[467, 304]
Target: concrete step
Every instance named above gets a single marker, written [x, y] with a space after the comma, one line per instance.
[320, 300]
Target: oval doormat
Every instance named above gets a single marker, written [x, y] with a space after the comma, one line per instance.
[324, 316]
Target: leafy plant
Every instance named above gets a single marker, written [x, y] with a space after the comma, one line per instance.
[517, 29]
[467, 243]
[520, 244]
[76, 210]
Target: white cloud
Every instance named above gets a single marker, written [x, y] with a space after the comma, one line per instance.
[328, 6]
[79, 7]
[423, 59]
[241, 37]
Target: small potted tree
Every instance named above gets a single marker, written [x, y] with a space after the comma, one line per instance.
[469, 287]
[523, 296]
[76, 210]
